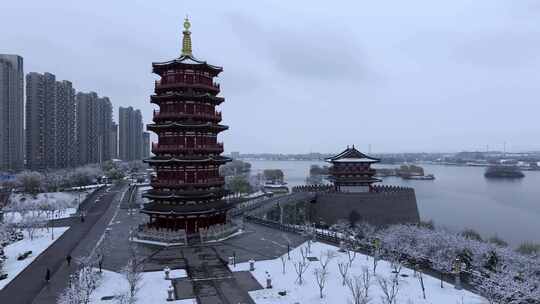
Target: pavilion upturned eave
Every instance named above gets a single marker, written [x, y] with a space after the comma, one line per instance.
[186, 62]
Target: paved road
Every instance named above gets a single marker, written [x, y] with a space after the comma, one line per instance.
[78, 239]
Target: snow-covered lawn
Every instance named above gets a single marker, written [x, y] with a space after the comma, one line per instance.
[67, 197]
[42, 240]
[14, 217]
[153, 288]
[25, 206]
[308, 293]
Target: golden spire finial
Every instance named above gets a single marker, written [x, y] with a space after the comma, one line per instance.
[186, 41]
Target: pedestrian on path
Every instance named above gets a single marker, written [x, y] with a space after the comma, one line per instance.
[48, 275]
[100, 262]
[82, 217]
[68, 259]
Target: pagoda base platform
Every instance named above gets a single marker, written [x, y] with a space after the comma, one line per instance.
[160, 236]
[151, 235]
[221, 232]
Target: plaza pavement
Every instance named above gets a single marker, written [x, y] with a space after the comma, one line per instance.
[209, 279]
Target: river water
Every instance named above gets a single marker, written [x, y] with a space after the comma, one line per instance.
[458, 198]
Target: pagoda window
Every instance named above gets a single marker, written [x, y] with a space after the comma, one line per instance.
[190, 108]
[190, 142]
[190, 177]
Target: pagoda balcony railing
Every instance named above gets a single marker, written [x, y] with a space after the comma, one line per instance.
[208, 182]
[180, 84]
[216, 116]
[165, 148]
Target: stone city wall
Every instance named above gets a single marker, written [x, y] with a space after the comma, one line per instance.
[385, 205]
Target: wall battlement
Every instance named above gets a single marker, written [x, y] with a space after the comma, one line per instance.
[331, 189]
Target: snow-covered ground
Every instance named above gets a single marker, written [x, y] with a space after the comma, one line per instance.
[153, 288]
[42, 240]
[28, 205]
[94, 186]
[70, 197]
[13, 217]
[308, 293]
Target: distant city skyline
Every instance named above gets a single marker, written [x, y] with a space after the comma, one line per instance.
[401, 77]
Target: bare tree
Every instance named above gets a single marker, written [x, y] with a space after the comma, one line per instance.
[365, 276]
[30, 182]
[31, 223]
[351, 254]
[326, 257]
[357, 290]
[421, 279]
[300, 268]
[375, 260]
[283, 259]
[133, 274]
[303, 253]
[359, 287]
[390, 289]
[355, 287]
[81, 284]
[395, 263]
[321, 276]
[343, 270]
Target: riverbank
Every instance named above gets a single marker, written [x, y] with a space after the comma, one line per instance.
[459, 198]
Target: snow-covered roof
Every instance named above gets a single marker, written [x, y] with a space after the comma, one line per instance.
[188, 59]
[187, 125]
[351, 155]
[172, 159]
[356, 160]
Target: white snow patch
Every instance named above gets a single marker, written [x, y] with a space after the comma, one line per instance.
[42, 240]
[153, 288]
[68, 197]
[335, 292]
[14, 217]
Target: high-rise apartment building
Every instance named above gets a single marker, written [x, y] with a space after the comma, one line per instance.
[11, 113]
[146, 145]
[66, 129]
[114, 140]
[50, 123]
[105, 125]
[130, 134]
[41, 109]
[94, 123]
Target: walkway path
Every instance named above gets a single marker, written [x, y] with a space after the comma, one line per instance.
[29, 286]
[212, 281]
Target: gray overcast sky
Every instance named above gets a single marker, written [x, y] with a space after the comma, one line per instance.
[301, 76]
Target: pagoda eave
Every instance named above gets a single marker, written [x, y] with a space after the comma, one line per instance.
[186, 195]
[173, 160]
[352, 155]
[186, 62]
[198, 209]
[175, 96]
[186, 127]
[162, 184]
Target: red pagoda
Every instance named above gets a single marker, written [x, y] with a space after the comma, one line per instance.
[187, 190]
[351, 171]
